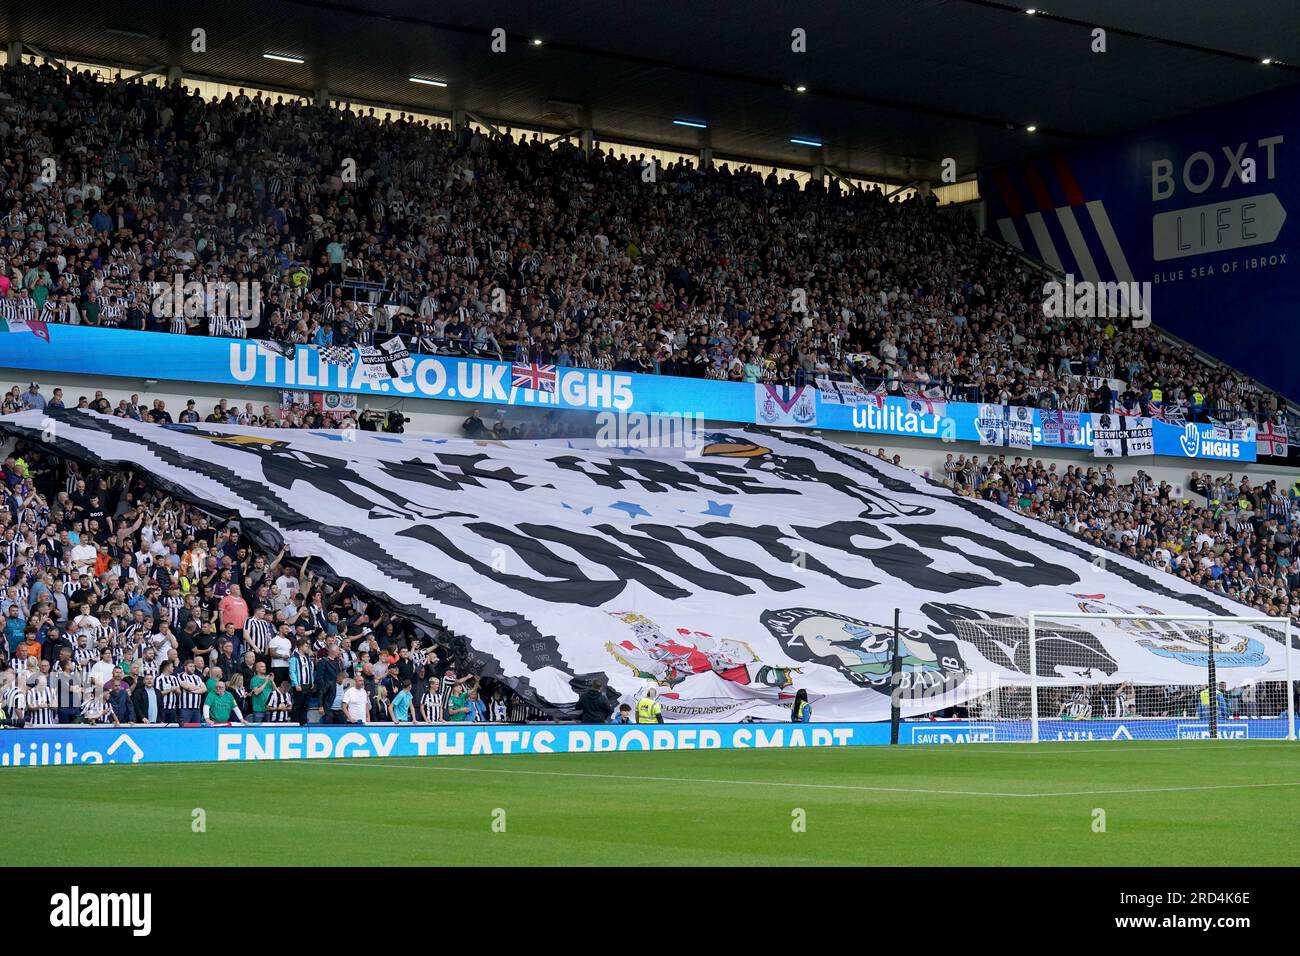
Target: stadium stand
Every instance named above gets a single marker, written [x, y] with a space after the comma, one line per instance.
[695, 274]
[104, 579]
[484, 245]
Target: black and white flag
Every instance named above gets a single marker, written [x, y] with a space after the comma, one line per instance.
[730, 574]
[1010, 426]
[1121, 436]
[338, 355]
[279, 348]
[398, 357]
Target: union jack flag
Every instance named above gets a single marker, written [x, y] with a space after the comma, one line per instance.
[540, 378]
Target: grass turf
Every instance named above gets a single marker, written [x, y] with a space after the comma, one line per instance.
[1166, 803]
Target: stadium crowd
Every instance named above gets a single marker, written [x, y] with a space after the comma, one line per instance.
[462, 242]
[122, 605]
[1229, 535]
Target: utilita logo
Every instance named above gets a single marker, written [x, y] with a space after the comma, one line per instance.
[1193, 445]
[75, 910]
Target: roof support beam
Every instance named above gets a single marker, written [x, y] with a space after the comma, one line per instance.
[157, 68]
[58, 61]
[482, 122]
[559, 136]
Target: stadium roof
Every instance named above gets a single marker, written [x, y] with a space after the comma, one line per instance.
[893, 86]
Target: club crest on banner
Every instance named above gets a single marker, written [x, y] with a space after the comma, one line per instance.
[1180, 640]
[864, 652]
[785, 405]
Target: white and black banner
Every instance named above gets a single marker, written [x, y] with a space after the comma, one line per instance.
[729, 575]
[385, 363]
[1010, 426]
[842, 393]
[1121, 436]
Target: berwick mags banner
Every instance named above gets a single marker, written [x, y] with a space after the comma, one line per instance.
[728, 574]
[1121, 436]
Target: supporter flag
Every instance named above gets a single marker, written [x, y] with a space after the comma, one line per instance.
[1169, 414]
[1121, 436]
[853, 393]
[389, 361]
[1009, 426]
[672, 569]
[991, 423]
[879, 394]
[785, 405]
[398, 357]
[338, 355]
[1272, 439]
[279, 348]
[37, 327]
[830, 392]
[539, 378]
[1061, 427]
[841, 393]
[929, 402]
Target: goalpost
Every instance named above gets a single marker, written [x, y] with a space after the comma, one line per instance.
[1089, 676]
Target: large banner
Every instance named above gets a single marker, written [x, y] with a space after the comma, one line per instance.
[1203, 208]
[393, 372]
[729, 573]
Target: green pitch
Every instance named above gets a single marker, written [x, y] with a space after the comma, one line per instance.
[1165, 803]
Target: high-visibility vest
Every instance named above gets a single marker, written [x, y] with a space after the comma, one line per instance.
[1198, 399]
[1205, 696]
[1157, 394]
[647, 711]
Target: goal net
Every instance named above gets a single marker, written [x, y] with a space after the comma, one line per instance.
[1090, 677]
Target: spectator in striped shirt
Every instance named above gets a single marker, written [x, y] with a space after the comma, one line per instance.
[280, 705]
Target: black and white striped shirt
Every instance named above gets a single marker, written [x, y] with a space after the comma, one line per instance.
[191, 697]
[168, 687]
[432, 704]
[42, 707]
[258, 634]
[278, 699]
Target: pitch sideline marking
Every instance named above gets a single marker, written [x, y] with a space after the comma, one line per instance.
[829, 786]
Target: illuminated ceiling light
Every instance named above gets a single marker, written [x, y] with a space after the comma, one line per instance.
[801, 88]
[283, 58]
[1267, 60]
[537, 41]
[426, 82]
[1031, 129]
[696, 124]
[815, 143]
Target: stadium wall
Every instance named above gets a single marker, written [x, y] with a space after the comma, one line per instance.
[105, 744]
